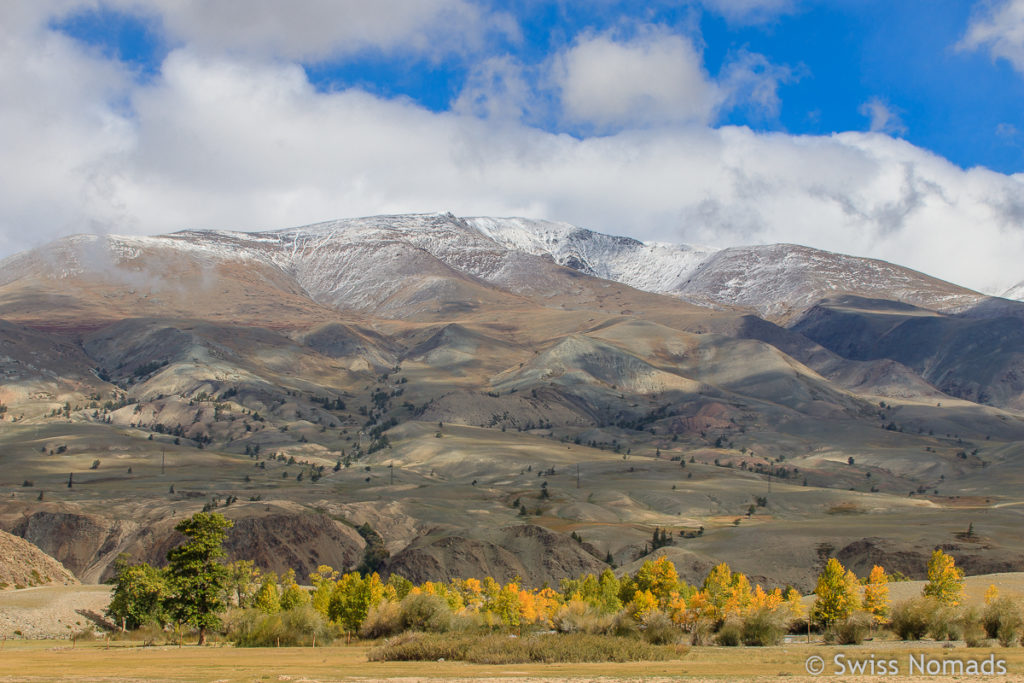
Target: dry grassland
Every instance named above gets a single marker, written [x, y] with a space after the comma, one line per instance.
[43, 661]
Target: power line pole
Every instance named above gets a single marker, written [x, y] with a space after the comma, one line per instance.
[577, 475]
[163, 453]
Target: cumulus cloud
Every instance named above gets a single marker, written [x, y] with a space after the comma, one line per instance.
[653, 78]
[312, 30]
[59, 127]
[883, 117]
[999, 27]
[228, 142]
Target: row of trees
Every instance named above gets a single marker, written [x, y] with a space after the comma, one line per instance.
[196, 588]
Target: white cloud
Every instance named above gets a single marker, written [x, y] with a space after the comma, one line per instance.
[883, 117]
[58, 129]
[497, 89]
[232, 143]
[998, 26]
[653, 78]
[750, 11]
[312, 30]
[752, 81]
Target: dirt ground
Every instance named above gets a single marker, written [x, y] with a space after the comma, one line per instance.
[51, 611]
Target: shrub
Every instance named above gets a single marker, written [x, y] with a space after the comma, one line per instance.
[763, 627]
[505, 649]
[294, 627]
[702, 631]
[577, 616]
[944, 623]
[382, 620]
[853, 629]
[624, 625]
[731, 632]
[659, 629]
[971, 628]
[424, 612]
[1002, 620]
[911, 618]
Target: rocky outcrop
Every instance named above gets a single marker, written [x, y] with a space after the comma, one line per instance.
[534, 554]
[23, 565]
[78, 541]
[275, 537]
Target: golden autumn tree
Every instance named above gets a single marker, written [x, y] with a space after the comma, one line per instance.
[718, 588]
[876, 595]
[795, 604]
[644, 602]
[659, 577]
[323, 580]
[740, 595]
[945, 579]
[837, 595]
[292, 594]
[267, 598]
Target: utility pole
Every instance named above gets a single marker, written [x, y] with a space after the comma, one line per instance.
[163, 453]
[391, 468]
[577, 475]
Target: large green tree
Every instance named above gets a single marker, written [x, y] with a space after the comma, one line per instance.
[198, 581]
[138, 595]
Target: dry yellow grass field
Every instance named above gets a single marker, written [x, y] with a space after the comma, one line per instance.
[93, 661]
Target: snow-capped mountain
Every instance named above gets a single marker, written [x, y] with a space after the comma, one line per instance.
[649, 266]
[1015, 292]
[382, 263]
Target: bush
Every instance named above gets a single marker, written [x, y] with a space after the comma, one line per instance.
[763, 627]
[702, 632]
[911, 619]
[506, 649]
[659, 629]
[853, 629]
[577, 616]
[1002, 620]
[425, 612]
[289, 628]
[624, 625]
[382, 620]
[731, 632]
[971, 628]
[944, 623]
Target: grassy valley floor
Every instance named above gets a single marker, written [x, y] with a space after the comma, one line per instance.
[123, 661]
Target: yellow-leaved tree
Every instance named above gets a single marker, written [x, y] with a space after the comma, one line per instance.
[718, 588]
[876, 595]
[837, 594]
[268, 599]
[945, 579]
[323, 580]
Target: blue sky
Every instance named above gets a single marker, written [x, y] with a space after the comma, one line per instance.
[890, 129]
[839, 56]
